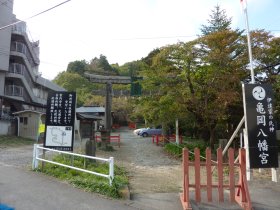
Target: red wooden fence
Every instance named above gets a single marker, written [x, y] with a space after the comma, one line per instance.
[160, 138]
[110, 139]
[238, 192]
[132, 125]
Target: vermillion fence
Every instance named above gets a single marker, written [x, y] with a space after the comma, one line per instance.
[158, 139]
[110, 139]
[237, 192]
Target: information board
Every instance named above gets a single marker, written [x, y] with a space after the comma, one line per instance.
[60, 121]
[260, 125]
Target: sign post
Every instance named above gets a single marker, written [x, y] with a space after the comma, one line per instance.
[259, 122]
[60, 121]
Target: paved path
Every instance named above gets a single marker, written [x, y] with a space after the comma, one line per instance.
[23, 189]
[26, 190]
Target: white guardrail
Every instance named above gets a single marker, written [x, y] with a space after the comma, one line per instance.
[37, 158]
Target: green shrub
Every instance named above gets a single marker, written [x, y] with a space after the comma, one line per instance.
[89, 182]
[177, 150]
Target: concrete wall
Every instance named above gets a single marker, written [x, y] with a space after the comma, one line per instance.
[4, 127]
[6, 17]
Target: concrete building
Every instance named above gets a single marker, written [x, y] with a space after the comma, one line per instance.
[21, 85]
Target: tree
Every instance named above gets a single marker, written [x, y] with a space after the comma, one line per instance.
[79, 67]
[77, 83]
[133, 68]
[101, 66]
[218, 22]
[200, 79]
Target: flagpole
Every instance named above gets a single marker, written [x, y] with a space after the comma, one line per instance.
[248, 40]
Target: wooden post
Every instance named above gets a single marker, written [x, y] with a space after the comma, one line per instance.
[177, 131]
[231, 174]
[119, 140]
[220, 175]
[157, 139]
[186, 174]
[108, 107]
[185, 199]
[197, 175]
[209, 174]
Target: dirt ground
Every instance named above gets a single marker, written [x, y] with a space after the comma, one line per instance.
[150, 169]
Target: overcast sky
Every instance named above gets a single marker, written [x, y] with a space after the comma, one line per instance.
[127, 30]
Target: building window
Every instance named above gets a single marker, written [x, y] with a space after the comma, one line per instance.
[25, 120]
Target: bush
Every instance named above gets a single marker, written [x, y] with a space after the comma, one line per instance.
[89, 182]
[177, 150]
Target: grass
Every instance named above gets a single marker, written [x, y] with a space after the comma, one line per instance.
[86, 181]
[176, 150]
[14, 141]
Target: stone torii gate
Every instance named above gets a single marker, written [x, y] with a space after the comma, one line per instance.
[108, 80]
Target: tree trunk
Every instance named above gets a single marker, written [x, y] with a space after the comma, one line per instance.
[212, 136]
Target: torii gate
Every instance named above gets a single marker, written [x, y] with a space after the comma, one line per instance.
[108, 80]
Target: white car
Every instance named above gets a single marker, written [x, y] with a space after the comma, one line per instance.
[136, 131]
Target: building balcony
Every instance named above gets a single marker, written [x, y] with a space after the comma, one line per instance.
[17, 68]
[14, 90]
[19, 47]
[20, 29]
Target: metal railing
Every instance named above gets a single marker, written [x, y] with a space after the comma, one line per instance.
[14, 90]
[37, 158]
[17, 68]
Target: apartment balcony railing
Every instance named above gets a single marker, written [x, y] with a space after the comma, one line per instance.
[17, 68]
[22, 48]
[21, 30]
[19, 47]
[14, 90]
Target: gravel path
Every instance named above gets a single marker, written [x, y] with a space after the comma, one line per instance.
[150, 169]
[19, 156]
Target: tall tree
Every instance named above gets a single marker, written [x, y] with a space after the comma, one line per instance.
[218, 21]
[101, 66]
[77, 83]
[79, 67]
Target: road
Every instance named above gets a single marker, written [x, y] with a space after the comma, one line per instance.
[150, 175]
[155, 182]
[26, 190]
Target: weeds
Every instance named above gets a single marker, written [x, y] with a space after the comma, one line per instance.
[14, 141]
[86, 181]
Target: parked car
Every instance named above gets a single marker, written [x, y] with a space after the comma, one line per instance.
[136, 131]
[150, 131]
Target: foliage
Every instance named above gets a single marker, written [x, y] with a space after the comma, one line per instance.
[218, 22]
[75, 82]
[14, 141]
[86, 181]
[197, 82]
[132, 68]
[177, 150]
[101, 66]
[188, 79]
[78, 67]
